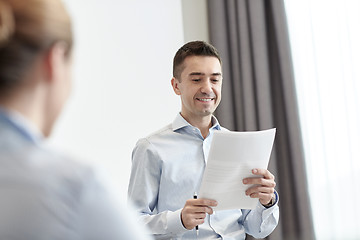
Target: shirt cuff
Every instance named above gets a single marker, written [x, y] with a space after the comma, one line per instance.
[175, 226]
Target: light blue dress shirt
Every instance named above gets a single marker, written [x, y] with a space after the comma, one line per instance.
[46, 195]
[167, 169]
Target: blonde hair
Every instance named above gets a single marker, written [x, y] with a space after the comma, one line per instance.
[27, 29]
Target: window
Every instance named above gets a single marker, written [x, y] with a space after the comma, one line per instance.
[325, 42]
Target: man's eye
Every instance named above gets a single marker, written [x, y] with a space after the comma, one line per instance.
[215, 80]
[196, 80]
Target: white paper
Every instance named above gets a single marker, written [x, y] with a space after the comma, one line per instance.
[231, 158]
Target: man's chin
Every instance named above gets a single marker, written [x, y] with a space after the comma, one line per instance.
[206, 112]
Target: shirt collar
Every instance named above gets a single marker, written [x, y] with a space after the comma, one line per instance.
[180, 122]
[21, 124]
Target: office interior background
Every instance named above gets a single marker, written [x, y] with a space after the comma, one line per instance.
[121, 91]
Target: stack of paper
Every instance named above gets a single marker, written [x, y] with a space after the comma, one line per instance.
[231, 158]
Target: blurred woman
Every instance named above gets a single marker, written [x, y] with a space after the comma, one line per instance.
[44, 194]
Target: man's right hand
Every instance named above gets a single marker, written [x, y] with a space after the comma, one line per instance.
[194, 212]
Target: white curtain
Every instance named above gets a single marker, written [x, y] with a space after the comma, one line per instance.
[325, 43]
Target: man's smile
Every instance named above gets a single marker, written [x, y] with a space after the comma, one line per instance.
[205, 99]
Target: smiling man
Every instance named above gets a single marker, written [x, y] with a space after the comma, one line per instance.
[168, 165]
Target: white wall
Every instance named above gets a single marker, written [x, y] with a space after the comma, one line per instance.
[122, 71]
[195, 20]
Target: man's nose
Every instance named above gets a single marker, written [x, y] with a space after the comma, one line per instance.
[206, 87]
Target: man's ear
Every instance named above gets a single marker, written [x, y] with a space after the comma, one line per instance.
[175, 85]
[54, 60]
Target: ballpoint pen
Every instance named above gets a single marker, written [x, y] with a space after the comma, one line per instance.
[197, 227]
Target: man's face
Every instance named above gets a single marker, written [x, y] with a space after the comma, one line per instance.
[199, 86]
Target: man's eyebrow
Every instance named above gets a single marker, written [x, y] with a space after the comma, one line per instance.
[216, 74]
[200, 73]
[196, 73]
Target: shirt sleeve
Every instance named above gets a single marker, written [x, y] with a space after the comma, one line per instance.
[143, 192]
[261, 221]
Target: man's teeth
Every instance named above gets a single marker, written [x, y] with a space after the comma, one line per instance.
[205, 99]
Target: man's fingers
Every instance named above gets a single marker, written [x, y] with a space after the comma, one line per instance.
[205, 202]
[207, 210]
[195, 210]
[200, 216]
[263, 197]
[265, 173]
[197, 221]
[190, 220]
[260, 181]
[199, 206]
[259, 189]
[201, 202]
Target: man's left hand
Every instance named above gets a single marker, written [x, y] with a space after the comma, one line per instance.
[264, 186]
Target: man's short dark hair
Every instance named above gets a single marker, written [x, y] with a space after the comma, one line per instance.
[195, 48]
